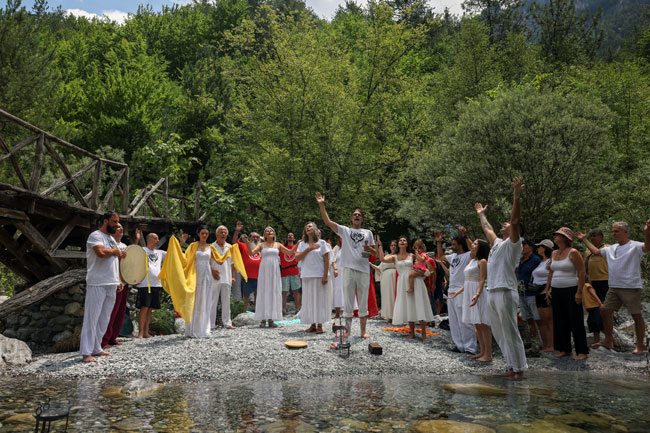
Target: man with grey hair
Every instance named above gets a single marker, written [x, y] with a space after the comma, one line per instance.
[625, 282]
[221, 287]
[251, 263]
[149, 288]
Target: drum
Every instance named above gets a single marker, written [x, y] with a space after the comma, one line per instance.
[133, 267]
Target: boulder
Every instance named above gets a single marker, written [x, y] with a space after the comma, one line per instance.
[61, 335]
[3, 298]
[14, 352]
[245, 319]
[590, 421]
[538, 426]
[139, 387]
[72, 309]
[21, 418]
[447, 426]
[179, 325]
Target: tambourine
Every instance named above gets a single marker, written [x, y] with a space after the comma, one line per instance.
[133, 267]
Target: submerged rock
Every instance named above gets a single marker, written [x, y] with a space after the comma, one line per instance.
[129, 424]
[588, 420]
[447, 426]
[538, 426]
[475, 389]
[139, 387]
[21, 418]
[290, 426]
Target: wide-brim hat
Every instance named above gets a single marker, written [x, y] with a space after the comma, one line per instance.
[566, 232]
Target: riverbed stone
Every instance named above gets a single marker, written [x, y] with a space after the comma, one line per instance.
[448, 426]
[245, 319]
[475, 389]
[129, 424]
[287, 425]
[21, 418]
[138, 387]
[179, 325]
[587, 420]
[113, 392]
[539, 426]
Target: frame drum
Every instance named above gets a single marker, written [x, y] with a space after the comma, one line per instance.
[133, 267]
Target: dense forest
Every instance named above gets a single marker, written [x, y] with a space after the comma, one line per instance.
[412, 114]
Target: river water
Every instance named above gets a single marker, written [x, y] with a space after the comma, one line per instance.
[545, 402]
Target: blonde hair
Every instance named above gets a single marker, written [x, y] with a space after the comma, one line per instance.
[273, 230]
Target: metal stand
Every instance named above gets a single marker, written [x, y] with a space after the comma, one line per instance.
[45, 414]
[341, 346]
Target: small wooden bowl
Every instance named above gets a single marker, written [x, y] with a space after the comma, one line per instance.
[295, 344]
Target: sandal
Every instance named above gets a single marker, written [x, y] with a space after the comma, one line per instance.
[312, 328]
[272, 324]
[263, 324]
[319, 330]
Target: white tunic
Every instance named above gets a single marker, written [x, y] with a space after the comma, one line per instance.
[387, 284]
[200, 326]
[410, 307]
[478, 314]
[268, 302]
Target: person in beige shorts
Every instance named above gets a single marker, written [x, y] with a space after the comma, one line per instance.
[625, 282]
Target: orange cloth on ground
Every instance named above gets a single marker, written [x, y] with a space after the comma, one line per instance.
[407, 330]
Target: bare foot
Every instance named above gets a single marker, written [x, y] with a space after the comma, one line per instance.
[561, 354]
[424, 338]
[410, 336]
[484, 359]
[107, 346]
[139, 336]
[230, 327]
[102, 353]
[548, 349]
[606, 344]
[475, 356]
[639, 351]
[517, 376]
[580, 357]
[148, 336]
[505, 374]
[366, 335]
[89, 358]
[117, 343]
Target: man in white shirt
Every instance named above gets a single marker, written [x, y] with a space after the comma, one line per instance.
[463, 334]
[356, 246]
[503, 297]
[221, 288]
[625, 282]
[102, 282]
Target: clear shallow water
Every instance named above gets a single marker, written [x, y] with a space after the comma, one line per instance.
[350, 404]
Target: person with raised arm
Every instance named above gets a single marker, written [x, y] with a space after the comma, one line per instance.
[356, 244]
[625, 282]
[251, 261]
[503, 298]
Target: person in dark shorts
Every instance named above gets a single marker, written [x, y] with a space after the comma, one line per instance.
[598, 276]
[540, 277]
[149, 288]
[251, 263]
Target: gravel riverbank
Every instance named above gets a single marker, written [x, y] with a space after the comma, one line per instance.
[252, 353]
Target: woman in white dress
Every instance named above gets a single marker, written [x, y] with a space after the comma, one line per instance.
[387, 285]
[475, 303]
[314, 256]
[410, 306]
[206, 273]
[338, 302]
[268, 301]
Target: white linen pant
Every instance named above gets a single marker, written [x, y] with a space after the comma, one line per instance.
[220, 290]
[503, 304]
[356, 284]
[463, 334]
[97, 313]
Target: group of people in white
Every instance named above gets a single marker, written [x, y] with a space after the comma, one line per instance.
[483, 284]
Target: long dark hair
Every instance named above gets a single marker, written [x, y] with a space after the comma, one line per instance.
[461, 240]
[315, 232]
[202, 227]
[408, 248]
[483, 249]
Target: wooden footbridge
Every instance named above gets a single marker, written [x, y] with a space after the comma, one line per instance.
[45, 220]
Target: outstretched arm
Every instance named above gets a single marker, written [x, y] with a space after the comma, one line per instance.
[646, 233]
[515, 216]
[380, 252]
[323, 213]
[235, 236]
[583, 238]
[463, 232]
[440, 255]
[485, 225]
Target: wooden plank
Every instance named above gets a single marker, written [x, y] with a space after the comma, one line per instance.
[138, 197]
[73, 187]
[9, 262]
[96, 184]
[60, 184]
[13, 214]
[25, 260]
[65, 254]
[38, 164]
[41, 291]
[16, 148]
[165, 193]
[197, 200]
[41, 243]
[146, 196]
[14, 163]
[62, 235]
[152, 206]
[125, 191]
[111, 189]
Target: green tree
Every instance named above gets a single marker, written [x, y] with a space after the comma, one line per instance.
[500, 16]
[555, 142]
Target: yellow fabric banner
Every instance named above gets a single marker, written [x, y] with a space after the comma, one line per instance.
[178, 273]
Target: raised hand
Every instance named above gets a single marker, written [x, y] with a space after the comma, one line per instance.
[137, 236]
[518, 185]
[480, 209]
[239, 226]
[319, 198]
[581, 236]
[646, 229]
[463, 231]
[377, 240]
[437, 236]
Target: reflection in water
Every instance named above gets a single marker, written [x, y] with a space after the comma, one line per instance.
[590, 402]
